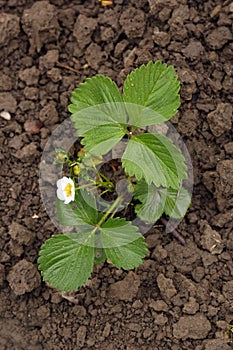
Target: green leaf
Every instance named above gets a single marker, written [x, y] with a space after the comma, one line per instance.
[100, 255]
[112, 114]
[177, 202]
[124, 246]
[156, 87]
[98, 113]
[128, 256]
[118, 232]
[154, 158]
[102, 139]
[153, 202]
[94, 91]
[81, 212]
[66, 261]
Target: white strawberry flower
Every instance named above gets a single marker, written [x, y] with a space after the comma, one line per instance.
[65, 190]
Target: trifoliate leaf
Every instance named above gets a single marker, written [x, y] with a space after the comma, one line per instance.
[98, 114]
[66, 262]
[124, 246]
[154, 158]
[81, 212]
[154, 86]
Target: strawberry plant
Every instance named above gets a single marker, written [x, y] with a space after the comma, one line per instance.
[89, 202]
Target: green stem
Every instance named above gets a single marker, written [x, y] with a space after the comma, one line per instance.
[106, 191]
[84, 186]
[113, 206]
[109, 185]
[102, 184]
[103, 176]
[113, 213]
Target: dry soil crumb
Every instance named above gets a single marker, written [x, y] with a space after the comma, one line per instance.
[23, 277]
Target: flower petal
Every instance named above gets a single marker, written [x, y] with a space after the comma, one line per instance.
[59, 183]
[72, 194]
[67, 200]
[65, 181]
[60, 194]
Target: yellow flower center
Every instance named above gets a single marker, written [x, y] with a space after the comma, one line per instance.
[68, 190]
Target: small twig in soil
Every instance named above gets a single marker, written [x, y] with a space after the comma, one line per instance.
[75, 60]
[62, 65]
[85, 66]
[174, 232]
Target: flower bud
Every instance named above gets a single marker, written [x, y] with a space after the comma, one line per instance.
[76, 169]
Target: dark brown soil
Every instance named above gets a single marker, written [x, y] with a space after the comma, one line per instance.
[181, 297]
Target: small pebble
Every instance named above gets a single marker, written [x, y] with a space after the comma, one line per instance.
[5, 115]
[32, 126]
[215, 11]
[35, 216]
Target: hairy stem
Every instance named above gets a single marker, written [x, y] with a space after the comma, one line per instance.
[113, 206]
